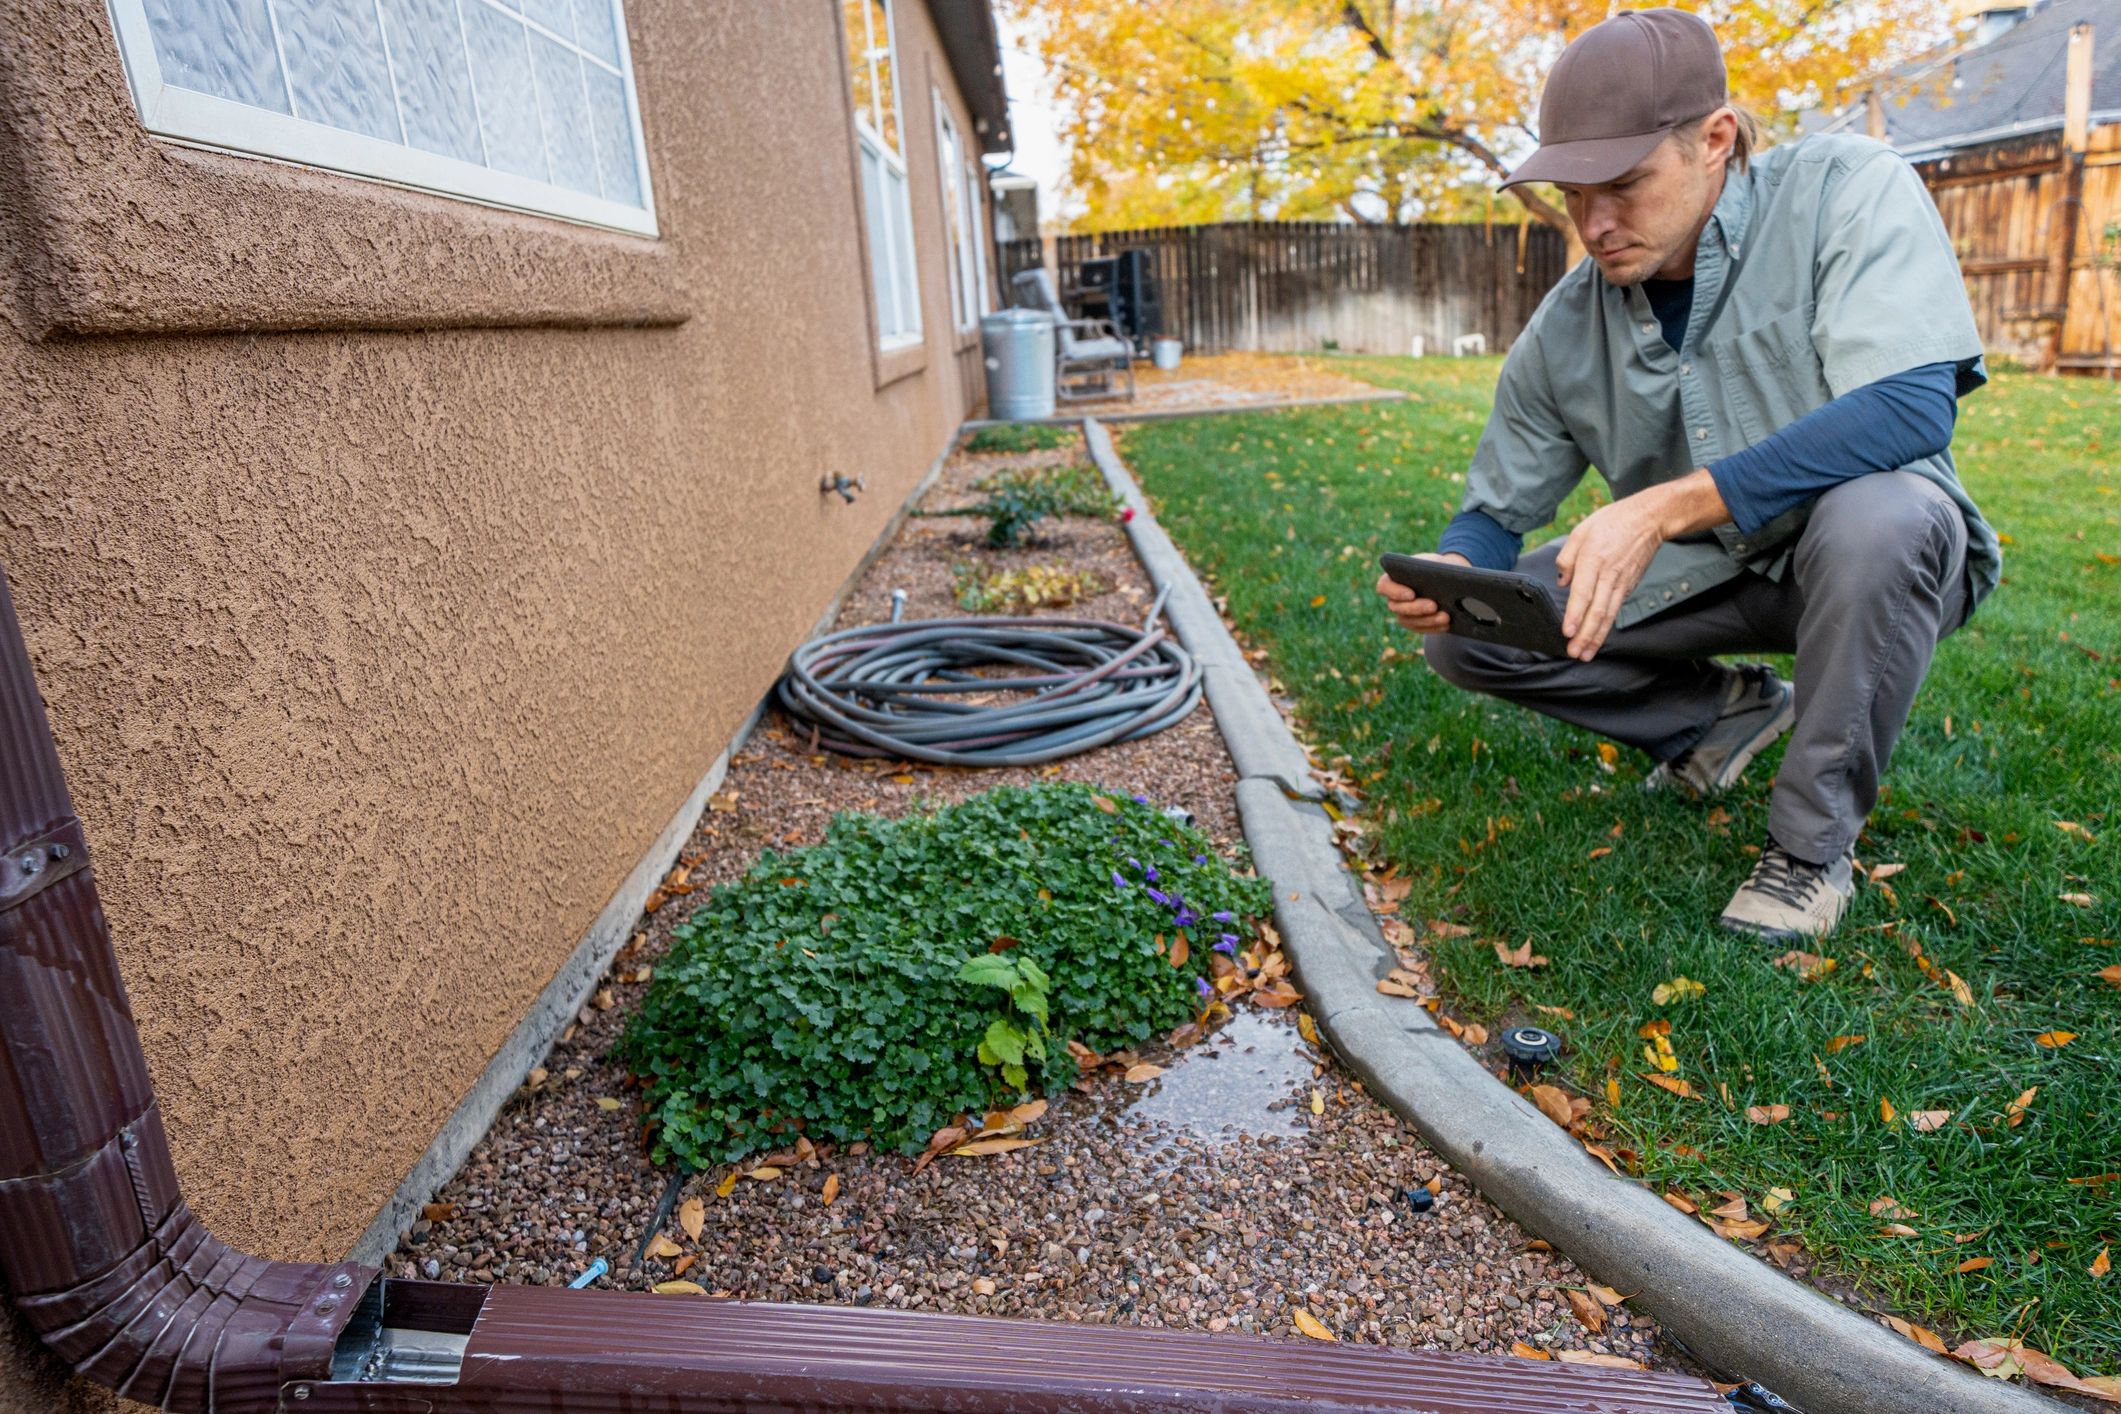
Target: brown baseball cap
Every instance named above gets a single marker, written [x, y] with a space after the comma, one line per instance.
[1618, 89]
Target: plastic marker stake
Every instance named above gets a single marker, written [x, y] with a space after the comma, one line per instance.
[590, 1274]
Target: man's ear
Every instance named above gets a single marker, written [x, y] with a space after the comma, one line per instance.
[1719, 135]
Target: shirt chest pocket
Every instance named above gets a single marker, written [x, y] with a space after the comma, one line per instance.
[1769, 374]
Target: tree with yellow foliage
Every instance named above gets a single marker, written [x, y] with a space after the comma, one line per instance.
[1189, 111]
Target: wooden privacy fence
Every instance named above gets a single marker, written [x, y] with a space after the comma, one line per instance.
[1268, 287]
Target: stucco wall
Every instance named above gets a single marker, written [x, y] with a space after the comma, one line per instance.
[380, 642]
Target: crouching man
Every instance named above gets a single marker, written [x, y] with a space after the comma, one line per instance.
[1763, 357]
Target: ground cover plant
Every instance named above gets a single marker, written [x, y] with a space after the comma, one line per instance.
[1021, 437]
[1018, 591]
[1930, 1101]
[903, 971]
[1019, 498]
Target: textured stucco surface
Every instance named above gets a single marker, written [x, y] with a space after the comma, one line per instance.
[377, 658]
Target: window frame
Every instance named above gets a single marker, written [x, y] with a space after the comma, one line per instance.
[204, 120]
[958, 221]
[890, 233]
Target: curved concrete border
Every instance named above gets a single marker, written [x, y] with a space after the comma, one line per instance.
[1729, 1308]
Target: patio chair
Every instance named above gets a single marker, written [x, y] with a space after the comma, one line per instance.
[1087, 353]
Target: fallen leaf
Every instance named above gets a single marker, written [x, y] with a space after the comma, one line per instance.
[663, 1247]
[2054, 1040]
[1601, 852]
[1887, 1206]
[1776, 1199]
[1278, 996]
[1767, 1114]
[1897, 1230]
[1681, 1202]
[1528, 1352]
[1307, 1028]
[1311, 1326]
[1028, 1113]
[1604, 1293]
[1733, 1210]
[987, 1148]
[1607, 1362]
[2111, 975]
[1398, 984]
[1961, 993]
[1679, 989]
[1990, 1357]
[1928, 1121]
[1318, 1101]
[684, 1264]
[679, 1288]
[1604, 1156]
[1836, 1044]
[606, 1103]
[728, 1184]
[832, 1188]
[439, 1212]
[1566, 1015]
[1921, 1335]
[948, 1137]
[1143, 1072]
[1608, 757]
[1552, 1102]
[983, 1286]
[1683, 1089]
[1104, 804]
[1809, 967]
[2077, 900]
[692, 1217]
[1589, 1313]
[1612, 1091]
[1886, 1113]
[1519, 956]
[1975, 1264]
[1882, 872]
[1475, 1034]
[1651, 1030]
[1962, 1238]
[2101, 1264]
[1181, 949]
[764, 1173]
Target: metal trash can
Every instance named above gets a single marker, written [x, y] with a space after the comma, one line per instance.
[1018, 347]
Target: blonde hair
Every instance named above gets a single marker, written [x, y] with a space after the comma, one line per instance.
[1749, 138]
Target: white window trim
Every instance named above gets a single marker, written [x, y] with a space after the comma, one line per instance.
[906, 282]
[206, 121]
[974, 190]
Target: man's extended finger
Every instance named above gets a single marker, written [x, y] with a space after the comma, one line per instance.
[1604, 610]
[1580, 592]
[1392, 589]
[1565, 561]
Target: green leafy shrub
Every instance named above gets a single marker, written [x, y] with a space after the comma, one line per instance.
[1032, 587]
[1021, 437]
[852, 989]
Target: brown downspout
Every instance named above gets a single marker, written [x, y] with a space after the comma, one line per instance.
[2076, 135]
[113, 1272]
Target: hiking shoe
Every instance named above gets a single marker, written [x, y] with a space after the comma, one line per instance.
[1758, 707]
[1787, 898]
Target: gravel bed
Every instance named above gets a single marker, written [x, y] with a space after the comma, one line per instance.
[1250, 1180]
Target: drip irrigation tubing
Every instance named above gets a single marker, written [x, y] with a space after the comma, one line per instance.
[903, 690]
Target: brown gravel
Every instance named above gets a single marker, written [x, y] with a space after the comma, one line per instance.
[1212, 1197]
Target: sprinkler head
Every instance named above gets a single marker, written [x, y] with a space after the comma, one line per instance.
[1529, 1048]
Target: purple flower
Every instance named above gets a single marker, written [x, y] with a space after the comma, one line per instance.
[1159, 895]
[1222, 916]
[1152, 875]
[1118, 882]
[1200, 984]
[1200, 859]
[1167, 844]
[1133, 863]
[1141, 799]
[1184, 918]
[1227, 943]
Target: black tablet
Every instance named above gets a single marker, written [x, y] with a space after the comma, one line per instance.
[1494, 606]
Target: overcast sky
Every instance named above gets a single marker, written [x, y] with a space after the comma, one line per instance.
[1034, 120]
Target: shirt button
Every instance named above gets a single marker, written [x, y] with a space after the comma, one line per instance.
[1685, 588]
[1667, 593]
[1701, 434]
[1649, 328]
[1738, 547]
[1686, 368]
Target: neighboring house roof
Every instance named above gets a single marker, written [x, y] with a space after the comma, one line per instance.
[975, 53]
[2009, 87]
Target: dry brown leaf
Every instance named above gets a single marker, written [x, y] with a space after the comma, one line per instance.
[1552, 1102]
[1748, 1229]
[2077, 900]
[1921, 1335]
[2103, 1263]
[1311, 1326]
[1601, 852]
[1528, 1352]
[684, 1264]
[1604, 1293]
[1733, 1210]
[1604, 1156]
[1181, 949]
[764, 1173]
[664, 1248]
[948, 1137]
[2111, 975]
[1962, 1238]
[1836, 1044]
[679, 1288]
[1961, 993]
[1651, 1030]
[1606, 1362]
[1975, 1264]
[1896, 1230]
[1561, 1011]
[1519, 956]
[1142, 1073]
[1681, 1202]
[1589, 1313]
[1278, 996]
[1882, 872]
[987, 1148]
[1104, 804]
[1318, 1101]
[1767, 1114]
[1887, 1206]
[606, 1103]
[1028, 1113]
[1928, 1121]
[1776, 1199]
[1683, 1089]
[983, 1286]
[692, 1217]
[1398, 984]
[1809, 966]
[439, 1212]
[728, 1184]
[832, 1189]
[1886, 1113]
[2004, 1358]
[1475, 1034]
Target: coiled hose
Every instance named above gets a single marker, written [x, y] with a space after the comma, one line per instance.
[899, 689]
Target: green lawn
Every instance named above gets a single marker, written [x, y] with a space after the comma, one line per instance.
[1496, 815]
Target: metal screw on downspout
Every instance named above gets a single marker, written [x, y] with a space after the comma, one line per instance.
[342, 1281]
[301, 1392]
[32, 863]
[59, 852]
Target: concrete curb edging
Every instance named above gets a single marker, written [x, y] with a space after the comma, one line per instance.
[1732, 1310]
[1386, 395]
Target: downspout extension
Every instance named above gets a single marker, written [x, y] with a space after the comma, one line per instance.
[103, 1258]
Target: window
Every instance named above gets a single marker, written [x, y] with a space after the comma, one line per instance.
[886, 202]
[961, 216]
[522, 103]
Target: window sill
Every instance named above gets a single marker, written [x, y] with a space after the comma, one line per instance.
[134, 234]
[968, 338]
[903, 361]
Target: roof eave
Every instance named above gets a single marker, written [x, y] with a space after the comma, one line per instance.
[974, 50]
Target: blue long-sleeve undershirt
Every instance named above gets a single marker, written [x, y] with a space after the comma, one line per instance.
[1877, 427]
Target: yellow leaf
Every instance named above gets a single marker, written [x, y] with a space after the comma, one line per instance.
[1317, 600]
[1776, 1200]
[2054, 1040]
[1921, 1335]
[2101, 1264]
[1841, 1043]
[1608, 753]
[1311, 1326]
[1318, 1102]
[606, 1103]
[692, 1217]
[1306, 1027]
[1612, 1091]
[663, 1247]
[832, 1188]
[764, 1172]
[1607, 1362]
[728, 1184]
[1961, 993]
[1886, 1112]
[1142, 1072]
[679, 1288]
[1679, 989]
[1552, 1102]
[1528, 1352]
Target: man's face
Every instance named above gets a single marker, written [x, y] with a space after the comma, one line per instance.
[1649, 218]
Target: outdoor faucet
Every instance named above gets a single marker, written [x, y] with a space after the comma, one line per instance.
[843, 484]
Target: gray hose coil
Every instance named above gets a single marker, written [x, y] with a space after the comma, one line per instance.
[890, 690]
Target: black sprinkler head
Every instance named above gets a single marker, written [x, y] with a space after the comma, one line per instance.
[1529, 1048]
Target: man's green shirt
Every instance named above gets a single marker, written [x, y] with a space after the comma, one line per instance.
[1824, 266]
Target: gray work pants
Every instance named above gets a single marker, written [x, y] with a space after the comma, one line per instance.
[1879, 577]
